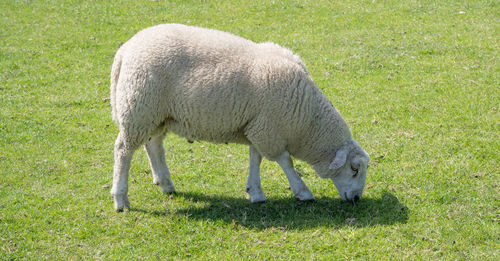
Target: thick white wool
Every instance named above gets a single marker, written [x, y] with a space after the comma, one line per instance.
[210, 85]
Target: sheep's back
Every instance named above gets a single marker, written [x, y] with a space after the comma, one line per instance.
[198, 83]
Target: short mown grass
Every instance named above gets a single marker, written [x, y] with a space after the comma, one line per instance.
[417, 81]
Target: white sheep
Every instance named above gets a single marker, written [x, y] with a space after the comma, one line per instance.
[210, 85]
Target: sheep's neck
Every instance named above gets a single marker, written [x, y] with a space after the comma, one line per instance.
[326, 132]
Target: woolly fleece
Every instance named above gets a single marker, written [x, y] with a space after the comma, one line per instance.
[209, 85]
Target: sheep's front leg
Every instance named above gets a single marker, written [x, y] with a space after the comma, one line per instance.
[299, 189]
[119, 190]
[254, 189]
[156, 155]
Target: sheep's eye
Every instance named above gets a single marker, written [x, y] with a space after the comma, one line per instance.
[355, 171]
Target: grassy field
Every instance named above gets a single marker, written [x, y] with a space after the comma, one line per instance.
[417, 81]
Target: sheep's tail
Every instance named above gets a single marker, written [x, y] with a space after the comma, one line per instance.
[115, 75]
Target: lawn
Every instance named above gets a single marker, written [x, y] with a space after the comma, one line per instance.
[417, 81]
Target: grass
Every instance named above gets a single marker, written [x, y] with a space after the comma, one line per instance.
[417, 81]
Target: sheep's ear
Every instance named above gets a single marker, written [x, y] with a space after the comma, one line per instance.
[340, 158]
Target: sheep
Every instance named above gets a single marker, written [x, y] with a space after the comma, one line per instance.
[210, 85]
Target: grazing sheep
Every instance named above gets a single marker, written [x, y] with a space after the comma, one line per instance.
[210, 85]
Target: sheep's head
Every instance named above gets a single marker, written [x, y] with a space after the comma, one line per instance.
[347, 171]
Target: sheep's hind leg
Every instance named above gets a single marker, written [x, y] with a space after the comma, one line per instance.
[122, 156]
[254, 188]
[156, 155]
[299, 189]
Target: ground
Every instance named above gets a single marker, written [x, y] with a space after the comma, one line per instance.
[417, 81]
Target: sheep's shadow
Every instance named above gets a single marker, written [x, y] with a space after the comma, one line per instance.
[292, 214]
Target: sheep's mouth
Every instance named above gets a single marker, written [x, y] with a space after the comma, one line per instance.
[353, 200]
[346, 198]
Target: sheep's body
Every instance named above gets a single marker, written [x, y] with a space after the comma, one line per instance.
[209, 85]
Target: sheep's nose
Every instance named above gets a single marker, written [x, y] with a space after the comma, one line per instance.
[356, 198]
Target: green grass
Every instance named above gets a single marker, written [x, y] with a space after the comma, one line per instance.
[417, 81]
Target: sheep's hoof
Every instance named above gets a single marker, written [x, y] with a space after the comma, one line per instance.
[121, 202]
[258, 199]
[257, 196]
[306, 200]
[305, 195]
